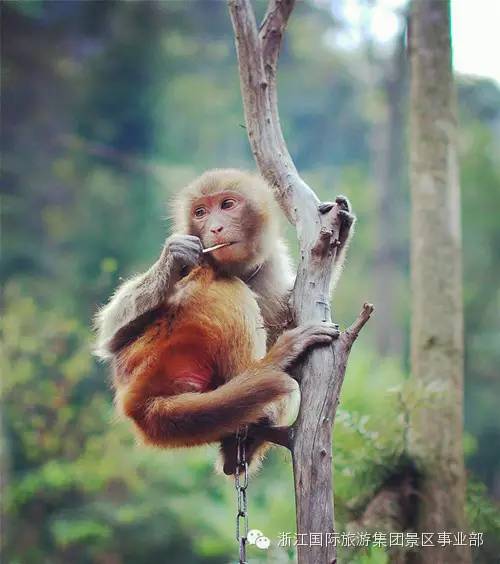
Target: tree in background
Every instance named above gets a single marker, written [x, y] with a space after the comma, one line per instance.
[388, 156]
[436, 266]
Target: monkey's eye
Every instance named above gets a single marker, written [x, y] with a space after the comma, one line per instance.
[200, 212]
[228, 204]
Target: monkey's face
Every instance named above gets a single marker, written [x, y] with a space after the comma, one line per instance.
[228, 217]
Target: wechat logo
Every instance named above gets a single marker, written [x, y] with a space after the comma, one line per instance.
[257, 538]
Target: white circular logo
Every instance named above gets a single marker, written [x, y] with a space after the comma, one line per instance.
[253, 535]
[257, 538]
[262, 543]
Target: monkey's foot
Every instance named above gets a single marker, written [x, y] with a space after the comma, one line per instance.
[258, 434]
[277, 435]
[229, 450]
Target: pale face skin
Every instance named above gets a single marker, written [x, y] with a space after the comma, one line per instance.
[225, 217]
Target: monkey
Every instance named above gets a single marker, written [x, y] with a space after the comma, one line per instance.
[199, 370]
[239, 286]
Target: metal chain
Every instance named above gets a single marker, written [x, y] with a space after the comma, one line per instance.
[241, 492]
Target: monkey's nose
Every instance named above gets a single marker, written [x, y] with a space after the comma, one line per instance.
[217, 229]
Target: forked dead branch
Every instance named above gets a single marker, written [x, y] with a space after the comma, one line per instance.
[320, 231]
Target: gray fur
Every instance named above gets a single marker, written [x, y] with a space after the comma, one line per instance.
[146, 291]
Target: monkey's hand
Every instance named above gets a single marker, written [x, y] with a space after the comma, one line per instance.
[347, 218]
[295, 342]
[184, 252]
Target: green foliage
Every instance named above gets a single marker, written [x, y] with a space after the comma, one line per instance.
[370, 556]
[484, 516]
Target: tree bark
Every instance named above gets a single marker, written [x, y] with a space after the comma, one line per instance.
[323, 371]
[437, 316]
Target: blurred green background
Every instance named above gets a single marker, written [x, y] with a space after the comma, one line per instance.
[109, 108]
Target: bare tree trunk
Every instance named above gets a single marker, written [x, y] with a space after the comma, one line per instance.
[437, 316]
[322, 373]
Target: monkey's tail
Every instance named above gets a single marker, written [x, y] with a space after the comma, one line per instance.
[191, 418]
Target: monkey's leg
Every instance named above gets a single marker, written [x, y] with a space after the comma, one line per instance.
[190, 418]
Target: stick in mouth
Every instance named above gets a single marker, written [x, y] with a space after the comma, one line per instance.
[215, 247]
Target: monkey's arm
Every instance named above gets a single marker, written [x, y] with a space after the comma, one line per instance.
[145, 292]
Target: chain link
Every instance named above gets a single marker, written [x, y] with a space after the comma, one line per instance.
[241, 484]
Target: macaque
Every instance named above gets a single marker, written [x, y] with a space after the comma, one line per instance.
[188, 338]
